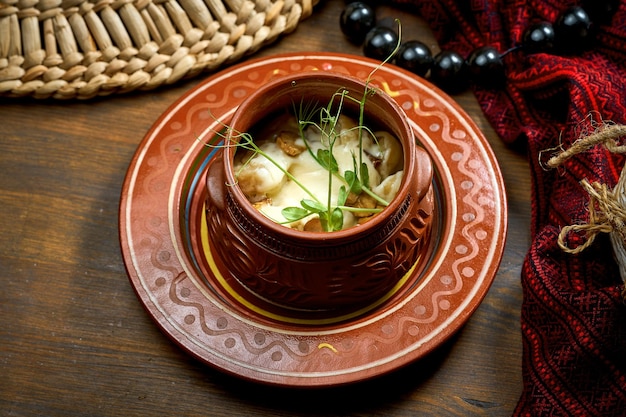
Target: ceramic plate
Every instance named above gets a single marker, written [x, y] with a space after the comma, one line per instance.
[164, 241]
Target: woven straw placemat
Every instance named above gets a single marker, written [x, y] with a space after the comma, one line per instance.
[85, 48]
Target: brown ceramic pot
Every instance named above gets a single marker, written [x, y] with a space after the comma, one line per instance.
[319, 270]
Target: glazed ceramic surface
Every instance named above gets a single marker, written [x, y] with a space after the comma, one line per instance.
[319, 271]
[164, 240]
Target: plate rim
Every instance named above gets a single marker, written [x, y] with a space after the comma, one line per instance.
[159, 315]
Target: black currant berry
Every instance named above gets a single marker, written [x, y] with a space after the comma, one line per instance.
[380, 42]
[449, 72]
[601, 11]
[538, 37]
[356, 19]
[573, 31]
[415, 56]
[486, 67]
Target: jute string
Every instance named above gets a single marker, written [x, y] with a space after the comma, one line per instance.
[607, 208]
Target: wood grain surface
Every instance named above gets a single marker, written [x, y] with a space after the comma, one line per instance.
[75, 340]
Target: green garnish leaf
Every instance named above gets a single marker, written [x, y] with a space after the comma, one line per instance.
[313, 206]
[324, 222]
[293, 214]
[342, 196]
[327, 160]
[365, 175]
[336, 219]
[353, 182]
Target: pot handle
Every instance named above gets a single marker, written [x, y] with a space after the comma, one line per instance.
[424, 171]
[215, 184]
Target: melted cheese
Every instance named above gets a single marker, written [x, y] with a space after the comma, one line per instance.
[265, 184]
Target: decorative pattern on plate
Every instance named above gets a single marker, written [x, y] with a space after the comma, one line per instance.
[163, 237]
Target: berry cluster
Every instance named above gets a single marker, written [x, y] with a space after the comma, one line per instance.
[571, 33]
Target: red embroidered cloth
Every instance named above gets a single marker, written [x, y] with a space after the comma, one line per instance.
[573, 318]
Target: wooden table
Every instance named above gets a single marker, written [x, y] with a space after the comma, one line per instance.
[75, 340]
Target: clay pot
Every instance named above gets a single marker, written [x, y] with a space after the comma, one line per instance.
[319, 270]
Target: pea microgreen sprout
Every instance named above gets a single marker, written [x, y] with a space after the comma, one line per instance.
[331, 218]
[325, 120]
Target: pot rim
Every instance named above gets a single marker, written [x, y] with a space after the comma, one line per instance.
[406, 138]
